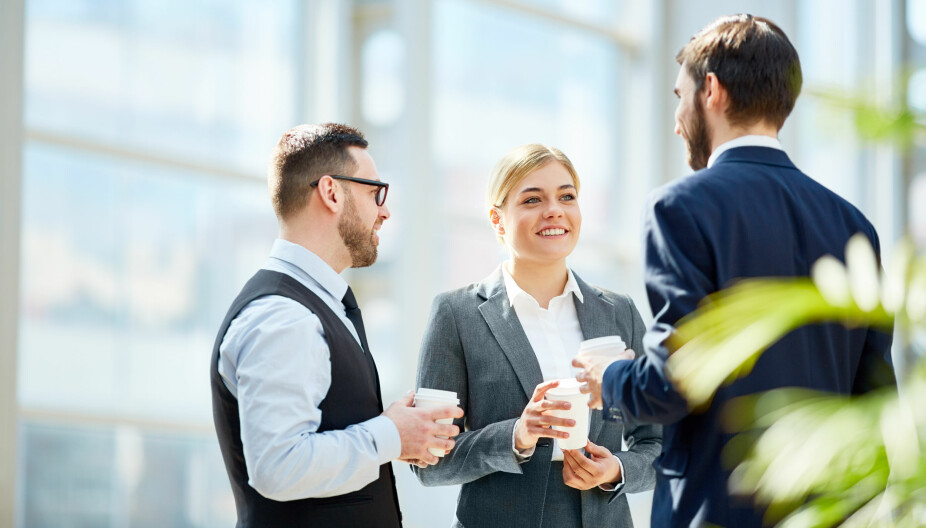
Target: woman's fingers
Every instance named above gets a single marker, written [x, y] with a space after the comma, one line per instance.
[541, 410]
[554, 405]
[596, 450]
[545, 420]
[575, 476]
[538, 421]
[590, 468]
[551, 419]
[569, 477]
[568, 465]
[542, 389]
[538, 429]
[546, 432]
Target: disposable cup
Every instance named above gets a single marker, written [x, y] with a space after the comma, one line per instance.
[607, 346]
[436, 398]
[568, 390]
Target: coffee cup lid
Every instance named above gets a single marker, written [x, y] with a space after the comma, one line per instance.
[436, 401]
[566, 387]
[435, 394]
[611, 341]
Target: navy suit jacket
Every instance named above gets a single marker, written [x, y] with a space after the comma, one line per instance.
[752, 214]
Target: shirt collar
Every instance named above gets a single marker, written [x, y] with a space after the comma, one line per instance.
[515, 292]
[311, 265]
[744, 141]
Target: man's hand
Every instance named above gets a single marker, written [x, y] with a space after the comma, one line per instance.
[414, 462]
[418, 430]
[585, 473]
[593, 367]
[535, 422]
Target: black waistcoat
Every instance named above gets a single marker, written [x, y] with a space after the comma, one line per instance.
[353, 398]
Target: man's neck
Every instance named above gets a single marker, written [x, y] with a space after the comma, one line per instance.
[751, 140]
[724, 133]
[328, 248]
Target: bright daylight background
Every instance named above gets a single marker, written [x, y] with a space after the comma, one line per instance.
[133, 141]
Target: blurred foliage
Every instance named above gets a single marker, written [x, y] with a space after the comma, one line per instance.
[896, 122]
[817, 459]
[900, 125]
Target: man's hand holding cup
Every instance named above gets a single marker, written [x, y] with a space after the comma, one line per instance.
[426, 431]
[594, 358]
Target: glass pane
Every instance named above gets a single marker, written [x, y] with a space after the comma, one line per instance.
[916, 91]
[383, 64]
[917, 213]
[120, 477]
[825, 131]
[502, 80]
[127, 270]
[204, 79]
[916, 20]
[604, 12]
[69, 477]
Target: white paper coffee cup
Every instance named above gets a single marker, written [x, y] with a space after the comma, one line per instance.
[607, 346]
[436, 398]
[568, 390]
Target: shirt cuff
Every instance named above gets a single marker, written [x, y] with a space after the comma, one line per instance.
[386, 438]
[614, 486]
[522, 456]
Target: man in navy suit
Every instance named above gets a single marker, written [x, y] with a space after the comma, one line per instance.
[746, 211]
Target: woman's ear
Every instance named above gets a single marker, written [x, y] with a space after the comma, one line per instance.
[496, 219]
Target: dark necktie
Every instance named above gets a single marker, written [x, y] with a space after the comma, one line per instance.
[353, 314]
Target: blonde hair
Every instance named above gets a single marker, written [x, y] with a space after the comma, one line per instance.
[517, 164]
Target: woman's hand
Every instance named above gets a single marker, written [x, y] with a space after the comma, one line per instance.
[585, 473]
[535, 422]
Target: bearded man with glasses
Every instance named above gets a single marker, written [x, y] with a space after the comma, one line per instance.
[295, 392]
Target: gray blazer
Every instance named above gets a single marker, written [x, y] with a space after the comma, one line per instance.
[475, 345]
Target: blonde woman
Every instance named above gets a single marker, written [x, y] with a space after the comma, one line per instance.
[500, 344]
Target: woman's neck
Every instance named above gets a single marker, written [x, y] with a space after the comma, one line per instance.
[543, 282]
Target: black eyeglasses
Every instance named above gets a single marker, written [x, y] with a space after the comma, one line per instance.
[380, 193]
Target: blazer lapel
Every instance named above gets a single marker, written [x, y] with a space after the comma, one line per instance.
[596, 315]
[596, 319]
[508, 332]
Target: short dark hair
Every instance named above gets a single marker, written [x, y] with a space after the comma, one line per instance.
[754, 60]
[303, 155]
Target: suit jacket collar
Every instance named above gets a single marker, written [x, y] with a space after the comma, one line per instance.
[508, 332]
[760, 155]
[514, 291]
[596, 319]
[495, 283]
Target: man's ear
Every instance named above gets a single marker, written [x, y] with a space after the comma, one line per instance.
[714, 95]
[496, 219]
[329, 194]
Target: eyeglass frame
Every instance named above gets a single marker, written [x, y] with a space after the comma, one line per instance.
[376, 183]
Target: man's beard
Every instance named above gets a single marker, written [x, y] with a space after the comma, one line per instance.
[698, 141]
[357, 239]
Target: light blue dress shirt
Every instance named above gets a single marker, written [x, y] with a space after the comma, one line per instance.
[274, 359]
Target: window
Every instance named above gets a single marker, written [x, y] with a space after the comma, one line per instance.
[144, 208]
